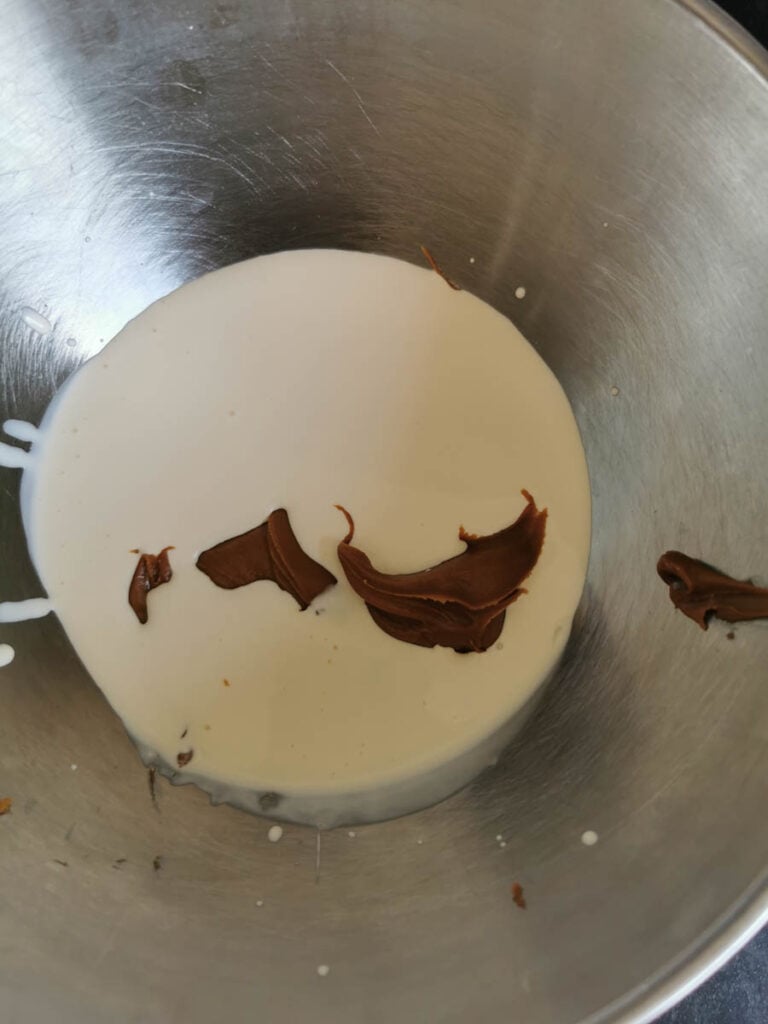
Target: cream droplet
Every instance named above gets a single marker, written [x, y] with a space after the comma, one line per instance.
[589, 838]
[7, 654]
[36, 321]
[275, 834]
[323, 970]
[615, 391]
[520, 292]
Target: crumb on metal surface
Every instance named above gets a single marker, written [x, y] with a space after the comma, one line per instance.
[518, 895]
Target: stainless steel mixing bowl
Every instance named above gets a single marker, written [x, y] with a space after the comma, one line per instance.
[611, 156]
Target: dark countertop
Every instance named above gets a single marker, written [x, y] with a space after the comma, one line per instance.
[738, 994]
[752, 14]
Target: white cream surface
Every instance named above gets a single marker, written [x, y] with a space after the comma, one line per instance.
[302, 380]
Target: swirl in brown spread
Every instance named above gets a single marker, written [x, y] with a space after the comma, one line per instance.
[151, 571]
[268, 552]
[460, 603]
[700, 591]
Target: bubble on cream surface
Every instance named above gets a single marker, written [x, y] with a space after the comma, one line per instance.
[356, 379]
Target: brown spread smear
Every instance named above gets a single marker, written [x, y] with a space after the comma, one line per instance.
[460, 603]
[268, 552]
[151, 571]
[5, 805]
[518, 895]
[700, 591]
[438, 269]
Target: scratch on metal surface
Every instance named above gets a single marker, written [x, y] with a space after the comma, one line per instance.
[182, 149]
[310, 146]
[355, 93]
[277, 72]
[277, 135]
[183, 85]
[297, 180]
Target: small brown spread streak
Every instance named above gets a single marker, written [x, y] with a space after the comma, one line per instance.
[518, 895]
[460, 603]
[5, 804]
[437, 269]
[151, 572]
[268, 552]
[700, 591]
